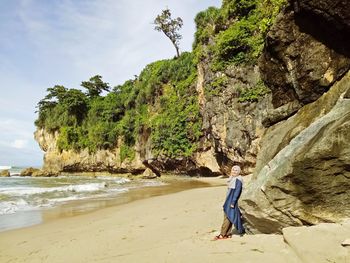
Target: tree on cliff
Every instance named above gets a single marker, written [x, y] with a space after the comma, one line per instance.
[169, 27]
[62, 106]
[95, 86]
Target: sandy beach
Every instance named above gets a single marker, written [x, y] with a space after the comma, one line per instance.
[177, 227]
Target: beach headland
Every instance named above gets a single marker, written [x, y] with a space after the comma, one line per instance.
[177, 227]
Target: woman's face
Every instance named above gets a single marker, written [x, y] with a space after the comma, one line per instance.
[235, 171]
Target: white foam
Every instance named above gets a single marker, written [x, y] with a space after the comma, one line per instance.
[11, 207]
[39, 190]
[4, 167]
[118, 180]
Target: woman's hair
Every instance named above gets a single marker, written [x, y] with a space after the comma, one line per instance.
[236, 167]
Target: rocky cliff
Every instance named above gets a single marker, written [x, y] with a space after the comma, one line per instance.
[56, 161]
[302, 174]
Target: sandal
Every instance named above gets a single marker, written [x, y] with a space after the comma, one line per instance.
[219, 237]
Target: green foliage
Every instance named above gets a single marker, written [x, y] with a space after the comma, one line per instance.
[216, 86]
[237, 8]
[68, 136]
[62, 107]
[126, 152]
[162, 97]
[237, 31]
[177, 128]
[253, 94]
[206, 22]
[95, 86]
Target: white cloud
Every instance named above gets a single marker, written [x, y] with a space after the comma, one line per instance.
[19, 144]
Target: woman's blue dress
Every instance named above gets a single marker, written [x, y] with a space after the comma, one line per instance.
[234, 214]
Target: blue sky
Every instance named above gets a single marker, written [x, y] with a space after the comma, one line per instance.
[49, 42]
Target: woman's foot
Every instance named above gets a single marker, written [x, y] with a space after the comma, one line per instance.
[219, 237]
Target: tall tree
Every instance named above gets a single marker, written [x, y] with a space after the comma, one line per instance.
[95, 86]
[170, 27]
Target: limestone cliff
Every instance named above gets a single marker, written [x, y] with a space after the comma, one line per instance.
[232, 129]
[56, 161]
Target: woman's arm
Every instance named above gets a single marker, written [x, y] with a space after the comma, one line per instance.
[237, 193]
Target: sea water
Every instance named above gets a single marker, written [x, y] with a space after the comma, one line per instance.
[34, 194]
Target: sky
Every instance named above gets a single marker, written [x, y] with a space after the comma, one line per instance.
[64, 42]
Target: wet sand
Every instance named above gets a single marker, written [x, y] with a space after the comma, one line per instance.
[172, 184]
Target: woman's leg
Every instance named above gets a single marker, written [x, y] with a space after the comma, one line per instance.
[226, 227]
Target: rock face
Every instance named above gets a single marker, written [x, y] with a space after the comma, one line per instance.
[304, 53]
[4, 173]
[56, 161]
[232, 130]
[303, 174]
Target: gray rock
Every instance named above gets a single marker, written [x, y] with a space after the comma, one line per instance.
[302, 175]
[284, 112]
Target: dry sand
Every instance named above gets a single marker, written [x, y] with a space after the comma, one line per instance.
[177, 227]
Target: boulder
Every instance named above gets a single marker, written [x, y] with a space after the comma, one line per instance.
[303, 174]
[43, 173]
[149, 174]
[29, 171]
[5, 173]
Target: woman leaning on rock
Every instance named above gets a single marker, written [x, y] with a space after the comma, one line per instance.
[232, 214]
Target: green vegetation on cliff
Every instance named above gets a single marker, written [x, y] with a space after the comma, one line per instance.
[234, 33]
[162, 99]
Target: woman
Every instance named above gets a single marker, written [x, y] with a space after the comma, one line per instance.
[232, 214]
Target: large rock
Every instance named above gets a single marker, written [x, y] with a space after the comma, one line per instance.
[303, 174]
[305, 54]
[149, 174]
[29, 171]
[4, 173]
[335, 13]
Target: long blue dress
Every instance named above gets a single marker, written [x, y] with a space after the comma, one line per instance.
[234, 214]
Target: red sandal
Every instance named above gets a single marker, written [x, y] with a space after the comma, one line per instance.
[219, 237]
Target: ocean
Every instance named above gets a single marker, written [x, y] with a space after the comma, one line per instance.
[22, 199]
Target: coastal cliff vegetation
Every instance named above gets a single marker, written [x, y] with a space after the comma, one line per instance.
[163, 98]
